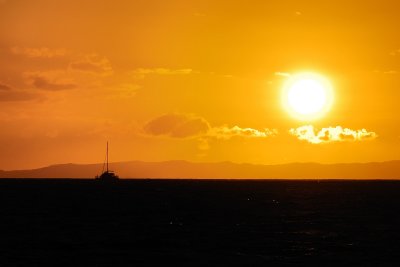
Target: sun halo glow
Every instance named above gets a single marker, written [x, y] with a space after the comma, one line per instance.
[307, 96]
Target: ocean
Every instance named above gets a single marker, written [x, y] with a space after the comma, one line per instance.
[66, 222]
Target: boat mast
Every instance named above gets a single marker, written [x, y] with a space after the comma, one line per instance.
[107, 156]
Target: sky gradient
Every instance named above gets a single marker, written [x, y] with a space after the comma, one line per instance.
[195, 80]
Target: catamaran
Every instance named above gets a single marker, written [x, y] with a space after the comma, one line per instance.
[107, 175]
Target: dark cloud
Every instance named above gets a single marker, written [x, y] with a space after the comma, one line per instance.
[191, 127]
[177, 126]
[4, 87]
[44, 83]
[8, 94]
[94, 64]
[18, 96]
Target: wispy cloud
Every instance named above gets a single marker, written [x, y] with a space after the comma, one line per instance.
[42, 52]
[395, 52]
[283, 74]
[9, 94]
[225, 132]
[49, 81]
[142, 72]
[126, 90]
[331, 134]
[390, 72]
[93, 63]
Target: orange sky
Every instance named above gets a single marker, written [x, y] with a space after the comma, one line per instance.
[195, 80]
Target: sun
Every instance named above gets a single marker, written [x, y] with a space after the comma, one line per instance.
[307, 96]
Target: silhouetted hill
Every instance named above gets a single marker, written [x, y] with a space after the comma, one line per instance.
[184, 169]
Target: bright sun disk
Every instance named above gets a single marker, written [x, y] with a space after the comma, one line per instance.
[307, 96]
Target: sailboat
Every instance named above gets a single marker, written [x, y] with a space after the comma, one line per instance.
[107, 175]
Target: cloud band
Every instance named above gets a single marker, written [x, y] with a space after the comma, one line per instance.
[331, 134]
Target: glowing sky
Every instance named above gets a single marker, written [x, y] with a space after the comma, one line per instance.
[195, 80]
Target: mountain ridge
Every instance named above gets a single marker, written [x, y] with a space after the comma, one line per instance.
[180, 169]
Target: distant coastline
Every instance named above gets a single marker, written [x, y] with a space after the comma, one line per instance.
[224, 170]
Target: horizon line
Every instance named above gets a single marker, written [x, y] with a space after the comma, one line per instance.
[205, 162]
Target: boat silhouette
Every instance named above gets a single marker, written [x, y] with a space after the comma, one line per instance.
[107, 175]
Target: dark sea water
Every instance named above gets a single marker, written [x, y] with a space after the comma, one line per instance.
[199, 223]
